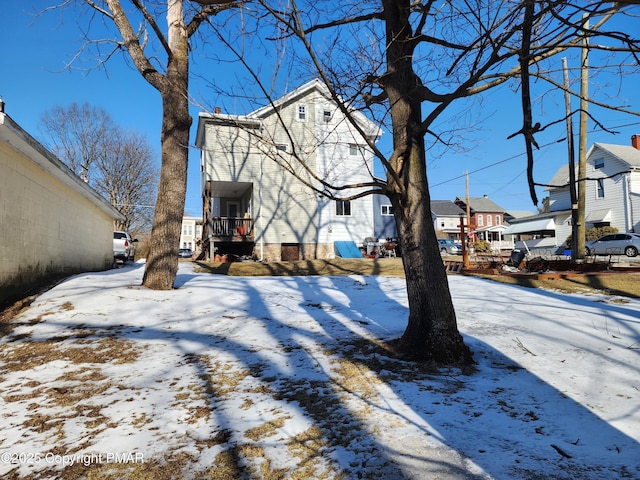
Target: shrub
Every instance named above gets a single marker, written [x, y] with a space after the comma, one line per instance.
[480, 246]
[591, 234]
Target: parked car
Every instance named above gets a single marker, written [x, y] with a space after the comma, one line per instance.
[123, 246]
[618, 243]
[185, 253]
[449, 247]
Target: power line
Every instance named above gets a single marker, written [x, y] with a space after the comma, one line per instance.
[486, 167]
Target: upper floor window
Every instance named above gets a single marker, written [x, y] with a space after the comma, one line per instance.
[386, 210]
[480, 221]
[489, 220]
[598, 164]
[498, 220]
[601, 188]
[281, 146]
[326, 115]
[302, 113]
[353, 149]
[343, 207]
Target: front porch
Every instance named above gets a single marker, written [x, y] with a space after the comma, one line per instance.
[225, 229]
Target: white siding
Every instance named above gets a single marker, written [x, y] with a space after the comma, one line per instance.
[614, 189]
[621, 188]
[560, 199]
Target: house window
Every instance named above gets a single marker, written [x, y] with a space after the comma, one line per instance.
[498, 220]
[386, 210]
[353, 149]
[489, 219]
[302, 113]
[601, 188]
[598, 164]
[327, 116]
[480, 221]
[281, 146]
[343, 207]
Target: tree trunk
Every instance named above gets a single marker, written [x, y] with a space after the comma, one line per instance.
[162, 260]
[431, 333]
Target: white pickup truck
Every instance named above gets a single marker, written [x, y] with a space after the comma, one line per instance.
[123, 246]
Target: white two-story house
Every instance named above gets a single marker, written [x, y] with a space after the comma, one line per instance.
[612, 197]
[259, 171]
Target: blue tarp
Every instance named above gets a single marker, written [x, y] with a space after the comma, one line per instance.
[348, 250]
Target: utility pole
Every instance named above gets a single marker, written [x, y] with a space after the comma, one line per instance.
[465, 258]
[575, 219]
[582, 148]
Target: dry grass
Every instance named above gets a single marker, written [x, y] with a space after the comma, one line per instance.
[624, 283]
[340, 266]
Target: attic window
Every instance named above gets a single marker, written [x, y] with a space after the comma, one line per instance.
[327, 115]
[281, 146]
[598, 164]
[302, 113]
[353, 149]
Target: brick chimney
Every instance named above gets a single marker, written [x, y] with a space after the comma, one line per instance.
[635, 141]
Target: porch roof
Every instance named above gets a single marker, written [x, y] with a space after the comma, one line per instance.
[532, 226]
[599, 216]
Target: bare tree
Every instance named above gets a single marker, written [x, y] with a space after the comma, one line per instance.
[156, 37]
[74, 133]
[408, 63]
[127, 176]
[118, 164]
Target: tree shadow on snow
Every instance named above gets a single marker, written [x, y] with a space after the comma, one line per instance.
[340, 406]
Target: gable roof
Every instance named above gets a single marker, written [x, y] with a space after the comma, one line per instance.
[445, 208]
[317, 86]
[626, 154]
[480, 204]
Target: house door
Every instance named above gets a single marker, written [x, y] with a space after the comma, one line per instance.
[233, 209]
[290, 252]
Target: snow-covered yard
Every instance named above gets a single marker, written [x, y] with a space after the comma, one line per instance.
[260, 377]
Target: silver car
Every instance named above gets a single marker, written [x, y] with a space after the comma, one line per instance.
[616, 243]
[449, 247]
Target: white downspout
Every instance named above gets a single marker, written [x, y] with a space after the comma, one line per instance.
[260, 210]
[628, 205]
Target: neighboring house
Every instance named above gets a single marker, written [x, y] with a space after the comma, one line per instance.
[447, 216]
[253, 202]
[384, 224]
[51, 221]
[487, 221]
[612, 198]
[191, 233]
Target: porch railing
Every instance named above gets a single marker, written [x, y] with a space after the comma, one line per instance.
[232, 227]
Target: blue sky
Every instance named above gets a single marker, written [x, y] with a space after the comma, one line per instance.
[33, 79]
